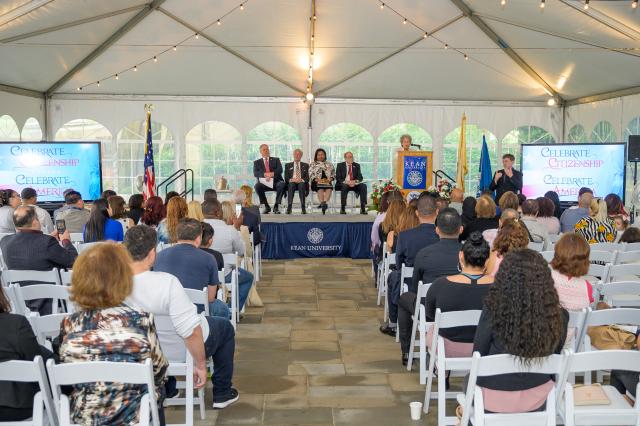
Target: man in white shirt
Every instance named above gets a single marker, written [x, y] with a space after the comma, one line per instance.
[30, 198]
[537, 230]
[227, 241]
[162, 294]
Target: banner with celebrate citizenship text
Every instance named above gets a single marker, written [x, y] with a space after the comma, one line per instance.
[565, 168]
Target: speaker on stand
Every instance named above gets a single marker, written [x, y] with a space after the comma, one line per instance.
[633, 156]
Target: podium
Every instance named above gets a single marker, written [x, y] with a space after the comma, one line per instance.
[414, 170]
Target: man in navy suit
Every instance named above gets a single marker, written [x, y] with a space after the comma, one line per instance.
[296, 178]
[270, 169]
[349, 178]
[410, 242]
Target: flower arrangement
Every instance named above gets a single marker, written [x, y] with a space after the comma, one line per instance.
[443, 190]
[379, 188]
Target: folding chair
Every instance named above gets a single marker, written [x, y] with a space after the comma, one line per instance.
[628, 256]
[473, 403]
[232, 259]
[553, 239]
[31, 372]
[618, 411]
[46, 327]
[391, 261]
[57, 293]
[65, 277]
[629, 290]
[630, 247]
[419, 324]
[601, 272]
[180, 364]
[536, 246]
[222, 296]
[548, 255]
[628, 272]
[103, 371]
[382, 267]
[15, 276]
[257, 267]
[437, 352]
[405, 272]
[607, 247]
[76, 237]
[199, 297]
[602, 256]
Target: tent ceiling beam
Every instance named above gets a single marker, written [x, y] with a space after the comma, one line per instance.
[558, 35]
[21, 91]
[604, 96]
[70, 24]
[22, 10]
[466, 10]
[128, 26]
[619, 27]
[231, 51]
[389, 56]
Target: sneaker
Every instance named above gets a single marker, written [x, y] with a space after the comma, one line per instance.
[223, 403]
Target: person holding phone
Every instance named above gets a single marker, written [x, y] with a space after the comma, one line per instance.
[507, 179]
[349, 178]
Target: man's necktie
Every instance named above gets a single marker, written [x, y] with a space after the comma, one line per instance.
[266, 165]
[350, 172]
[296, 173]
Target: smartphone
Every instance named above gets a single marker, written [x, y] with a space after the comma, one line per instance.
[61, 226]
[238, 209]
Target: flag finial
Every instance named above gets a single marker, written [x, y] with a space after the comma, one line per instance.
[148, 107]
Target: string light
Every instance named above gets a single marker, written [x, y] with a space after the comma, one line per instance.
[197, 36]
[78, 88]
[309, 96]
[425, 35]
[175, 48]
[551, 101]
[541, 4]
[219, 22]
[381, 6]
[446, 46]
[503, 2]
[405, 21]
[241, 6]
[586, 4]
[634, 5]
[135, 68]
[155, 59]
[117, 77]
[98, 83]
[466, 58]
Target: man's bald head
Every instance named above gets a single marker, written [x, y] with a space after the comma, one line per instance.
[25, 217]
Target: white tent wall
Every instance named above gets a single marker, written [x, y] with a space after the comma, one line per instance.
[21, 108]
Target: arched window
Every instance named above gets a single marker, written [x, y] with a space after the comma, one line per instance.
[88, 130]
[214, 149]
[342, 137]
[281, 138]
[474, 147]
[389, 143]
[524, 135]
[31, 130]
[633, 128]
[131, 140]
[577, 134]
[9, 129]
[603, 132]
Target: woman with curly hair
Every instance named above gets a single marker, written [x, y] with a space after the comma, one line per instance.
[154, 212]
[512, 235]
[521, 316]
[176, 209]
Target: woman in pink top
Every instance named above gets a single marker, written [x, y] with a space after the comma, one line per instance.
[570, 263]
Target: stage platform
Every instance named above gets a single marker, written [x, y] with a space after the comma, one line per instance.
[316, 235]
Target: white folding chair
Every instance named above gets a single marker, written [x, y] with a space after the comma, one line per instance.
[628, 256]
[618, 411]
[420, 325]
[15, 276]
[46, 327]
[536, 246]
[621, 294]
[391, 261]
[473, 403]
[405, 273]
[382, 268]
[548, 255]
[103, 371]
[602, 256]
[5, 234]
[607, 247]
[180, 364]
[438, 357]
[631, 247]
[257, 272]
[56, 293]
[31, 372]
[627, 272]
[601, 272]
[65, 277]
[576, 324]
[76, 237]
[232, 259]
[199, 297]
[553, 239]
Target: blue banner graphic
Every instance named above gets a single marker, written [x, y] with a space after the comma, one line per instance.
[415, 172]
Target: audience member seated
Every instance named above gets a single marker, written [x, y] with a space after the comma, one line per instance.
[136, 210]
[598, 227]
[571, 216]
[154, 212]
[507, 214]
[210, 194]
[457, 197]
[31, 249]
[390, 223]
[537, 231]
[30, 198]
[18, 342]
[105, 328]
[546, 215]
[64, 206]
[195, 211]
[631, 235]
[485, 217]
[410, 243]
[207, 240]
[432, 262]
[376, 243]
[228, 241]
[160, 293]
[169, 196]
[100, 226]
[570, 264]
[247, 204]
[616, 211]
[626, 382]
[322, 174]
[555, 199]
[108, 193]
[468, 210]
[119, 213]
[194, 268]
[176, 209]
[512, 235]
[9, 201]
[249, 217]
[509, 200]
[461, 292]
[522, 298]
[75, 216]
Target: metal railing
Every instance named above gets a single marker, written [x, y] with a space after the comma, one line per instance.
[440, 174]
[186, 175]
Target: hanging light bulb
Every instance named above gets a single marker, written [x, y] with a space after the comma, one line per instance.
[551, 101]
[117, 78]
[405, 21]
[197, 36]
[586, 4]
[98, 83]
[634, 5]
[381, 6]
[466, 58]
[541, 4]
[78, 89]
[315, 18]
[425, 35]
[446, 46]
[241, 6]
[309, 96]
[175, 48]
[503, 2]
[219, 22]
[312, 37]
[135, 68]
[155, 59]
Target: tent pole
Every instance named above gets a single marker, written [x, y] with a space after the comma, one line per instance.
[564, 123]
[45, 119]
[310, 131]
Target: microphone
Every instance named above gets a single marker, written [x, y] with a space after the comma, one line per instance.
[416, 145]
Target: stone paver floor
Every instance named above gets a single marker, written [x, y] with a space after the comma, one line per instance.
[313, 354]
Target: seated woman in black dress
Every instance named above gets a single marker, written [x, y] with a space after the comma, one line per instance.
[461, 292]
[522, 316]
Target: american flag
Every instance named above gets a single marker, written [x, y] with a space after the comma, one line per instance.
[149, 186]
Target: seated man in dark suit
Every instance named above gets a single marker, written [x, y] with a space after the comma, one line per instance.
[349, 178]
[30, 249]
[410, 242]
[296, 177]
[432, 262]
[269, 169]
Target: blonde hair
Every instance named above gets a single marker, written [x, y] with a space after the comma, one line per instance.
[195, 211]
[392, 217]
[485, 207]
[176, 209]
[102, 276]
[249, 193]
[408, 219]
[598, 209]
[228, 212]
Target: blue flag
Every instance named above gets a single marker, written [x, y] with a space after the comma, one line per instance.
[485, 168]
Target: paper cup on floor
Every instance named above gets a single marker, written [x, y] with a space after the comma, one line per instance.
[416, 410]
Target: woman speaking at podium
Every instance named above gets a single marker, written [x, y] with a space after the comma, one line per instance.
[406, 144]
